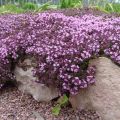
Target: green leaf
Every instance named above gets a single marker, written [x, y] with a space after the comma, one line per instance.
[63, 100]
[45, 6]
[56, 110]
[109, 7]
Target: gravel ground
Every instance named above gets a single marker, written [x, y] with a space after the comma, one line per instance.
[17, 106]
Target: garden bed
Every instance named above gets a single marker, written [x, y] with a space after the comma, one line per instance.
[54, 48]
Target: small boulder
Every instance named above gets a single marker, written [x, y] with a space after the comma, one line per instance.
[24, 76]
[104, 95]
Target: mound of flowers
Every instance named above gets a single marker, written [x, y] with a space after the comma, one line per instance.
[62, 45]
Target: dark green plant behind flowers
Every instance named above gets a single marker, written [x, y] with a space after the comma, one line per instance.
[69, 3]
[114, 7]
[21, 7]
[29, 6]
[10, 8]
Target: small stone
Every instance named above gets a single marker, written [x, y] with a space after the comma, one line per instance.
[38, 116]
[11, 117]
[28, 85]
[77, 118]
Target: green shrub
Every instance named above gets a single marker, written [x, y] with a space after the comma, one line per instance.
[29, 6]
[116, 7]
[46, 6]
[69, 3]
[10, 8]
[113, 7]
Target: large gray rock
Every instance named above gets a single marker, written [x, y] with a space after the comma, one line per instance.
[104, 95]
[24, 76]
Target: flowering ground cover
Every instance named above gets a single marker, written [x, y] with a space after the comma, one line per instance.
[62, 45]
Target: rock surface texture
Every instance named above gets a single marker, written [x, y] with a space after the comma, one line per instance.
[24, 76]
[104, 95]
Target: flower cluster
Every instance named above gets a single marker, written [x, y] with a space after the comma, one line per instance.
[62, 45]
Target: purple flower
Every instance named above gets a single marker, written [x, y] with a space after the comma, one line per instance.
[62, 46]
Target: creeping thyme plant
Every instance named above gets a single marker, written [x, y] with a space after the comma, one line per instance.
[62, 45]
